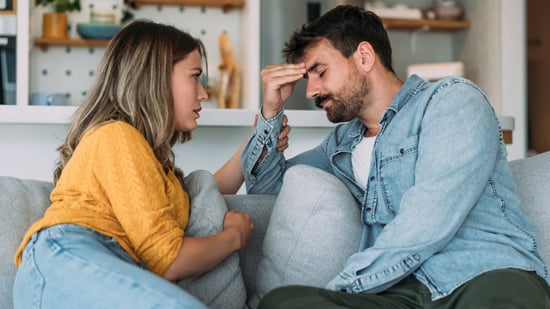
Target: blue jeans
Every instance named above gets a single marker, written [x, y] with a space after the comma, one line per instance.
[69, 266]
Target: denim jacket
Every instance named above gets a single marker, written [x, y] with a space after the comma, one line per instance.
[440, 202]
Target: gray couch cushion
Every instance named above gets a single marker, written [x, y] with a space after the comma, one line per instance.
[222, 286]
[259, 207]
[309, 236]
[532, 176]
[21, 203]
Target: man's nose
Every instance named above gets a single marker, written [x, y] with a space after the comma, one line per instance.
[312, 88]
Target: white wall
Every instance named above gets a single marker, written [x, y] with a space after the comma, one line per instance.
[513, 32]
[28, 151]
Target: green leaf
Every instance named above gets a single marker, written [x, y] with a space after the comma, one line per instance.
[61, 5]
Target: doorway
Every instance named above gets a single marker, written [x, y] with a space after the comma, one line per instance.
[538, 76]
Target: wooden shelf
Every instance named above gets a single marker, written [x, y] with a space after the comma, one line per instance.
[11, 11]
[390, 23]
[226, 5]
[425, 24]
[44, 43]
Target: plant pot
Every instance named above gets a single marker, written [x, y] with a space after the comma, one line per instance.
[55, 25]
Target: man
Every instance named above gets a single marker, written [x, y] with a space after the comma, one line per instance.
[443, 226]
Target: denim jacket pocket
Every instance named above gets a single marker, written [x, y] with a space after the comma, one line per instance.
[396, 171]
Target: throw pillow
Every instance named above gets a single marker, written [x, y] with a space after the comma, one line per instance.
[222, 286]
[314, 227]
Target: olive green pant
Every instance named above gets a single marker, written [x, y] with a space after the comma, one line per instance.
[506, 288]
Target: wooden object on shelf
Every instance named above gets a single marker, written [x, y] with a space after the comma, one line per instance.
[210, 92]
[230, 83]
[507, 136]
[55, 25]
[425, 24]
[44, 43]
[226, 5]
[10, 11]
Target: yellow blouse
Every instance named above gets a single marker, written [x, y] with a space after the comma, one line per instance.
[114, 184]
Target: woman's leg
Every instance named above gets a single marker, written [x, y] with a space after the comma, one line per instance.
[68, 266]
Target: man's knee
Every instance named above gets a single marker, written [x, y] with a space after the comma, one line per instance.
[504, 288]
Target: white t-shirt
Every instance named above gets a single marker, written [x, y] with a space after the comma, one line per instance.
[361, 158]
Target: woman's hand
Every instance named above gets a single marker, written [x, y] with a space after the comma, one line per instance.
[282, 138]
[241, 224]
[200, 254]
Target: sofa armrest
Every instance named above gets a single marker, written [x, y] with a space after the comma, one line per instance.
[533, 183]
[21, 203]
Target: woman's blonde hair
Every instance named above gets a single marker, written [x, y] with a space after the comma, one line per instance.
[133, 84]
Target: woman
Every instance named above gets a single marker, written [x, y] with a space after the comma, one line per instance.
[113, 236]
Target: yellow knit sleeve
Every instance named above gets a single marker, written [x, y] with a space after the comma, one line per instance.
[150, 205]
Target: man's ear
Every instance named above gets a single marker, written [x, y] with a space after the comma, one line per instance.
[365, 56]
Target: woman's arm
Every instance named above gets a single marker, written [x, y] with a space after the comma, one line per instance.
[230, 176]
[200, 254]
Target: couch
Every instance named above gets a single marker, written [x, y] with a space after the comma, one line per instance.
[22, 201]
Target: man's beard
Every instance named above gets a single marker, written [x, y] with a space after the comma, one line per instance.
[353, 96]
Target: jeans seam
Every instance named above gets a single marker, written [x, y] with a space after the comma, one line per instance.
[39, 285]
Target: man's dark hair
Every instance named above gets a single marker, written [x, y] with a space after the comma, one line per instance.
[344, 27]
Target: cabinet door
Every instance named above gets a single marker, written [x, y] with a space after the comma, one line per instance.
[538, 74]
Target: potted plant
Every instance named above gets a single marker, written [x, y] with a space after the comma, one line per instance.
[55, 24]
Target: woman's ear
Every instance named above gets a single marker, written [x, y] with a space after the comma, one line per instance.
[365, 56]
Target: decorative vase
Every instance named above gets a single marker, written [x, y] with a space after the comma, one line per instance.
[448, 9]
[55, 25]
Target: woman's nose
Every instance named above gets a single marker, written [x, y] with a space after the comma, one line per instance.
[203, 95]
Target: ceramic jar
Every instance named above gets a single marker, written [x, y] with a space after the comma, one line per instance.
[448, 9]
